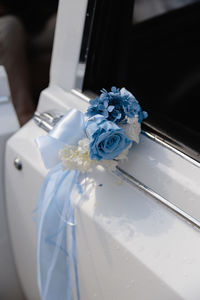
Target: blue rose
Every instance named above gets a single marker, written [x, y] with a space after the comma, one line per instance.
[107, 140]
[116, 105]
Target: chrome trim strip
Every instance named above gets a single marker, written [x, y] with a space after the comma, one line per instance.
[80, 95]
[133, 181]
[41, 123]
[47, 120]
[166, 145]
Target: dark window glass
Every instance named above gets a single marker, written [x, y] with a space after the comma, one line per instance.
[157, 60]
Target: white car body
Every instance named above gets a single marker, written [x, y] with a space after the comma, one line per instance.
[134, 240]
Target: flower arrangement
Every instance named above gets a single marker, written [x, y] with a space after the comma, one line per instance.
[112, 124]
[103, 135]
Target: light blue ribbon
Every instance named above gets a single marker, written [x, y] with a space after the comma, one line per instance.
[56, 239]
[69, 130]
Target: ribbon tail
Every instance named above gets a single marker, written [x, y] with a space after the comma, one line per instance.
[56, 241]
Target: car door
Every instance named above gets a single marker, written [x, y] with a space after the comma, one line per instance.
[138, 229]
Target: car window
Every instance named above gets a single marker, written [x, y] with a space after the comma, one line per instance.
[156, 58]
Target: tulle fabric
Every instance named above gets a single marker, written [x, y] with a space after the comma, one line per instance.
[56, 242]
[56, 239]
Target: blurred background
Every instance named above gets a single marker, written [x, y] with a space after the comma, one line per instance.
[26, 39]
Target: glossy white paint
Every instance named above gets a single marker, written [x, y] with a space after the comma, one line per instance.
[129, 245]
[68, 38]
[132, 247]
[167, 173]
[9, 285]
[21, 194]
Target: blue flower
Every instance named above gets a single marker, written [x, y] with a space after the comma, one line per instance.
[107, 140]
[116, 105]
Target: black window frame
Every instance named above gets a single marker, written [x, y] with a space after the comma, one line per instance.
[92, 47]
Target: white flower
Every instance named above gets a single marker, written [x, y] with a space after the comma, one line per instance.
[110, 164]
[132, 129]
[77, 157]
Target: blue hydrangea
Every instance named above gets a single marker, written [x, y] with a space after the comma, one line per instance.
[116, 105]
